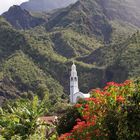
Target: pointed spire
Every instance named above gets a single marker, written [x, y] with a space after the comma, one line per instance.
[73, 67]
[73, 62]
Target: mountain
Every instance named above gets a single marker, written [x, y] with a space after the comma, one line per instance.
[105, 46]
[109, 8]
[45, 5]
[70, 44]
[124, 10]
[23, 76]
[120, 59]
[98, 17]
[32, 63]
[21, 19]
[83, 18]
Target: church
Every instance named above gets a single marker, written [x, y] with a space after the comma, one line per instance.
[75, 94]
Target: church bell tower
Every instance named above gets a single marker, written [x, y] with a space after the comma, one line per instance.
[73, 82]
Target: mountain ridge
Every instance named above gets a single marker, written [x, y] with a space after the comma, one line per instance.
[45, 6]
[101, 47]
[21, 19]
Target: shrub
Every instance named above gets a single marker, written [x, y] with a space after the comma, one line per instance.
[111, 113]
[129, 117]
[68, 120]
[19, 119]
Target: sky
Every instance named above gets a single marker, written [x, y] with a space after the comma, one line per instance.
[5, 4]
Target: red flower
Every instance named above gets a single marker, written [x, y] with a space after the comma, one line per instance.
[112, 84]
[106, 87]
[94, 109]
[86, 106]
[121, 84]
[78, 120]
[78, 105]
[107, 93]
[98, 91]
[64, 136]
[120, 99]
[127, 82]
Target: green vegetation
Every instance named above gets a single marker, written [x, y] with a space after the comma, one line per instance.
[82, 18]
[15, 16]
[102, 116]
[10, 40]
[21, 69]
[3, 22]
[35, 69]
[121, 58]
[37, 61]
[121, 31]
[71, 44]
[19, 65]
[19, 120]
[112, 113]
[68, 120]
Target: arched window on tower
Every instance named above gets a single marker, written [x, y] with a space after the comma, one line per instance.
[75, 78]
[71, 78]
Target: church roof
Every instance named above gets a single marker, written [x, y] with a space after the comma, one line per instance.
[86, 95]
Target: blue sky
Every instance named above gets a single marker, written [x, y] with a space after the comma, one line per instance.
[5, 4]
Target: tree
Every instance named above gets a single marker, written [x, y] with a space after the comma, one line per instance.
[20, 117]
[68, 120]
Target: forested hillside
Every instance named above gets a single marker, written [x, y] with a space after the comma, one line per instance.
[38, 60]
[19, 69]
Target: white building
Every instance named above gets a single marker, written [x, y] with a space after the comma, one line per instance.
[75, 94]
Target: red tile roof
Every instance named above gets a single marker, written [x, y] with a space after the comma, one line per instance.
[49, 119]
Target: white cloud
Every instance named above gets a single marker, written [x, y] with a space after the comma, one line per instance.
[5, 4]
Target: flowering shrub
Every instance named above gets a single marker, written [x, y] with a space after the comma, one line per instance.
[68, 120]
[103, 113]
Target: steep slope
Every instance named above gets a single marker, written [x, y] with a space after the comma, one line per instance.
[21, 72]
[38, 60]
[124, 10]
[3, 22]
[10, 39]
[29, 76]
[98, 17]
[31, 63]
[44, 53]
[69, 43]
[121, 58]
[21, 19]
[121, 31]
[85, 17]
[45, 5]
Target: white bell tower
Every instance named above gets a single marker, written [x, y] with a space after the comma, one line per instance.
[73, 83]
